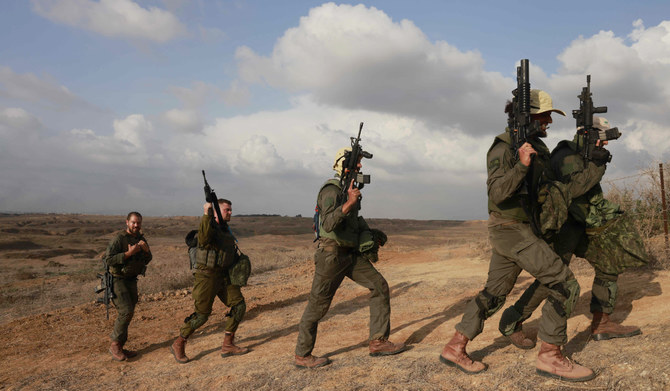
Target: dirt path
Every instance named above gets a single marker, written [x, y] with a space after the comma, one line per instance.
[66, 349]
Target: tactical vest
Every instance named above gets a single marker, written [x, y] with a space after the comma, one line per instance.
[511, 208]
[565, 160]
[346, 233]
[216, 257]
[135, 264]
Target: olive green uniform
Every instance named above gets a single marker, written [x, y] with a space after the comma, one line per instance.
[591, 221]
[125, 272]
[515, 247]
[215, 254]
[336, 257]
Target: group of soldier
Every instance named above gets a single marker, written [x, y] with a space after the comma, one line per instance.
[347, 247]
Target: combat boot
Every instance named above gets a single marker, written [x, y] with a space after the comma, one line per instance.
[602, 328]
[454, 355]
[178, 348]
[552, 363]
[519, 339]
[310, 361]
[229, 348]
[384, 347]
[116, 350]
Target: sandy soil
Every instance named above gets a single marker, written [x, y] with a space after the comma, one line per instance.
[54, 337]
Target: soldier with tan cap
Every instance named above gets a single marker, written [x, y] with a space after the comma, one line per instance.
[515, 247]
[338, 255]
[596, 230]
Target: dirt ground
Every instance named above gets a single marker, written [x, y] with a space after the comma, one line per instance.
[53, 336]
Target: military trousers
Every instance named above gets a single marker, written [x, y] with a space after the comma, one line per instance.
[125, 290]
[571, 239]
[208, 285]
[516, 248]
[332, 264]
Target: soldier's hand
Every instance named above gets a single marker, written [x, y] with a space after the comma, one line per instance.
[143, 245]
[133, 249]
[353, 194]
[526, 151]
[207, 208]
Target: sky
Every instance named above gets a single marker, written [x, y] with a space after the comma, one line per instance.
[109, 106]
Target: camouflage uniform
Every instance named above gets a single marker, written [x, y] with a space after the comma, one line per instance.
[337, 257]
[215, 253]
[595, 229]
[516, 247]
[125, 272]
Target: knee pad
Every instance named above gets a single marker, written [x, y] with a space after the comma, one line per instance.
[569, 293]
[488, 304]
[196, 320]
[603, 295]
[509, 321]
[237, 311]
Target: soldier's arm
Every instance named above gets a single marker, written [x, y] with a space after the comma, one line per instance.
[205, 231]
[115, 255]
[331, 212]
[504, 175]
[146, 253]
[580, 177]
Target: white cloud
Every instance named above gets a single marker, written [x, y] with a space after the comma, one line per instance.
[237, 94]
[258, 156]
[31, 88]
[186, 121]
[113, 18]
[17, 122]
[358, 58]
[134, 130]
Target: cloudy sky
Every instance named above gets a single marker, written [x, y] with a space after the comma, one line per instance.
[108, 106]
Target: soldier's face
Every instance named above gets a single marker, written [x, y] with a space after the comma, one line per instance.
[226, 212]
[133, 225]
[544, 119]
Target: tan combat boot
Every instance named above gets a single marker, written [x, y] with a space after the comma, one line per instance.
[552, 363]
[454, 355]
[116, 350]
[519, 339]
[178, 348]
[310, 361]
[602, 328]
[384, 347]
[229, 348]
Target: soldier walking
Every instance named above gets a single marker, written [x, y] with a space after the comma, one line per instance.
[340, 253]
[215, 253]
[127, 257]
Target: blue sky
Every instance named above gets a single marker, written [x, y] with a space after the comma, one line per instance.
[108, 106]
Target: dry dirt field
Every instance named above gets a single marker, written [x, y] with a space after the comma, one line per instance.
[54, 337]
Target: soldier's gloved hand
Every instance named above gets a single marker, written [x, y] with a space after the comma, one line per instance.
[601, 156]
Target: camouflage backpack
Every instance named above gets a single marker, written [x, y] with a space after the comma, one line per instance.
[240, 271]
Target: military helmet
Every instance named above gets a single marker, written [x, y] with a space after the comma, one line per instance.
[340, 157]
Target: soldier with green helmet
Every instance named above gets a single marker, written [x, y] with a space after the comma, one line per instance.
[516, 247]
[343, 250]
[127, 256]
[215, 253]
[597, 230]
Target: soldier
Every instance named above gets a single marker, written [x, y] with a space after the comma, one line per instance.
[338, 255]
[127, 256]
[596, 230]
[516, 248]
[215, 253]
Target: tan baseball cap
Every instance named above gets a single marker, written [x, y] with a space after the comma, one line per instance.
[339, 159]
[541, 102]
[601, 123]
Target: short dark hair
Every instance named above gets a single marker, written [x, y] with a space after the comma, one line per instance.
[224, 201]
[136, 214]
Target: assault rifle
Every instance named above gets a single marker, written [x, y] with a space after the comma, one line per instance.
[107, 286]
[522, 129]
[350, 166]
[584, 117]
[210, 196]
